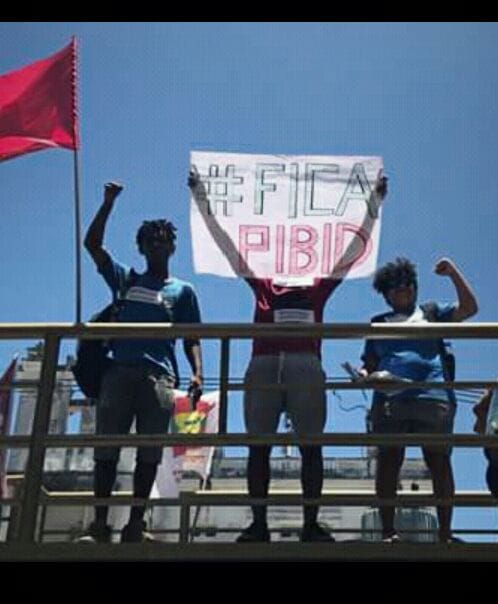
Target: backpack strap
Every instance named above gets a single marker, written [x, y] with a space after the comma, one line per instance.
[118, 296]
[124, 285]
[429, 309]
[380, 318]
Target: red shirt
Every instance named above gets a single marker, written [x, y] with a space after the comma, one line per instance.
[275, 304]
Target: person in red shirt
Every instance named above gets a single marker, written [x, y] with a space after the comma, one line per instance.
[292, 362]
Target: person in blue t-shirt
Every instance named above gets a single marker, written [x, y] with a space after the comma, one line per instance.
[414, 410]
[139, 385]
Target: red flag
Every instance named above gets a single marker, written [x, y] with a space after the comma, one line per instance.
[38, 105]
[5, 400]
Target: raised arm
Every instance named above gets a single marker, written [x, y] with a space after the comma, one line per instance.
[376, 196]
[94, 237]
[467, 302]
[223, 241]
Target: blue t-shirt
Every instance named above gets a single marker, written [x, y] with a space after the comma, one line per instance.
[417, 360]
[150, 300]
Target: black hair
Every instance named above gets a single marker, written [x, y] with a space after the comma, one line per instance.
[392, 274]
[158, 230]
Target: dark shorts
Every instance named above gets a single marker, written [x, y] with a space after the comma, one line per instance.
[130, 392]
[418, 416]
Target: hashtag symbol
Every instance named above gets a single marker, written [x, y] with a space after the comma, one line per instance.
[220, 189]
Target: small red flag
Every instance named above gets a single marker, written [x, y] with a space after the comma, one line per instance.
[38, 105]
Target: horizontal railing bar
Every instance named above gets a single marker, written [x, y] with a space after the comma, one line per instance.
[341, 499]
[213, 499]
[296, 530]
[199, 530]
[62, 499]
[470, 385]
[329, 385]
[364, 552]
[373, 385]
[352, 439]
[249, 330]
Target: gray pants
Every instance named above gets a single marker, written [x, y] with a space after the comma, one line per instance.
[129, 392]
[304, 400]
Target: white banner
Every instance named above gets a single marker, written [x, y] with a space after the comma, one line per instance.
[285, 216]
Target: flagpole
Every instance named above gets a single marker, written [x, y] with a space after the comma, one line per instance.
[77, 225]
[76, 171]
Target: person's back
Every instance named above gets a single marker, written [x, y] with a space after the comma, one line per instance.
[277, 302]
[294, 364]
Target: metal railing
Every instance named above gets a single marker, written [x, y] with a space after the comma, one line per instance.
[32, 496]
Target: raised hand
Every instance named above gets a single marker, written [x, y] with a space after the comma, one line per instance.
[111, 191]
[381, 187]
[445, 267]
[194, 178]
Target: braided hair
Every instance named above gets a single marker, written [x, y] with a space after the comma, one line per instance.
[161, 230]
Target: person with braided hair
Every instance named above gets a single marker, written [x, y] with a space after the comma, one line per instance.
[139, 385]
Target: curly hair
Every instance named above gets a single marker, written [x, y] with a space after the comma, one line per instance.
[156, 230]
[401, 271]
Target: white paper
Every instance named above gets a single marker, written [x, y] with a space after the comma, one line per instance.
[285, 216]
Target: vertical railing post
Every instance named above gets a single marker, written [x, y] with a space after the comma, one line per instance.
[184, 520]
[43, 519]
[224, 369]
[34, 467]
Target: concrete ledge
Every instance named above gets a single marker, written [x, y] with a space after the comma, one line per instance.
[178, 552]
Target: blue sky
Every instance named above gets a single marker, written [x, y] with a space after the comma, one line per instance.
[422, 96]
